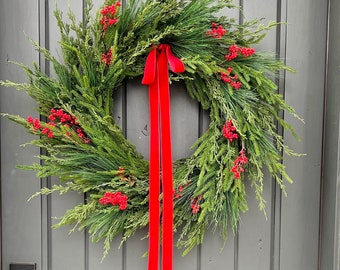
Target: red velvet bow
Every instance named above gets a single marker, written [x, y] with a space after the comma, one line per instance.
[156, 75]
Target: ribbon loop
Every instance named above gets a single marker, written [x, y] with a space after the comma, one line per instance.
[156, 75]
[176, 65]
[150, 68]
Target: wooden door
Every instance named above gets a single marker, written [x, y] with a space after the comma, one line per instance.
[287, 240]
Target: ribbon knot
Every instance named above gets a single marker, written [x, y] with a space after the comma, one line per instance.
[150, 70]
[156, 75]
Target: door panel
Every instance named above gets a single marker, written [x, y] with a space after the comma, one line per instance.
[286, 240]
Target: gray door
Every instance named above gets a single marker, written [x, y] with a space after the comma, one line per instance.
[288, 240]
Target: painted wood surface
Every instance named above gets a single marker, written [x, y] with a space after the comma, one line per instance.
[287, 240]
[330, 246]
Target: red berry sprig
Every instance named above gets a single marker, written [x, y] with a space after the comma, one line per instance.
[115, 198]
[216, 31]
[239, 164]
[195, 204]
[107, 58]
[180, 189]
[36, 126]
[109, 16]
[229, 131]
[235, 51]
[58, 117]
[179, 192]
[232, 80]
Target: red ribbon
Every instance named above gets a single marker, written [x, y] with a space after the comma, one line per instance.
[156, 75]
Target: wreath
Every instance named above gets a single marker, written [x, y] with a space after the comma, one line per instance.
[88, 151]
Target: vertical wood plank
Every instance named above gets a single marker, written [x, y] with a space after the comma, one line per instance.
[185, 131]
[330, 246]
[184, 121]
[114, 260]
[45, 182]
[137, 132]
[62, 242]
[304, 91]
[255, 230]
[276, 200]
[137, 107]
[20, 220]
[214, 253]
[136, 247]
[95, 250]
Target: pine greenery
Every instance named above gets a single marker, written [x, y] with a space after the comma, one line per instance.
[84, 87]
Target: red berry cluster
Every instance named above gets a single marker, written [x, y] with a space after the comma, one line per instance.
[229, 131]
[179, 192]
[232, 80]
[109, 15]
[216, 31]
[235, 50]
[36, 126]
[59, 117]
[115, 198]
[195, 204]
[239, 164]
[107, 58]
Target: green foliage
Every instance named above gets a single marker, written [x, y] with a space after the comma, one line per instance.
[84, 87]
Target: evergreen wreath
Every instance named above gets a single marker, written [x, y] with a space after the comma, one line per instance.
[87, 150]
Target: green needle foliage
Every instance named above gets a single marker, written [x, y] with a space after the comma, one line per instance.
[208, 195]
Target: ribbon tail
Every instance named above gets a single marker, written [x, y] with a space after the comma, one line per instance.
[154, 174]
[156, 75]
[166, 157]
